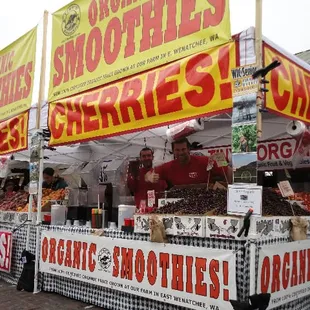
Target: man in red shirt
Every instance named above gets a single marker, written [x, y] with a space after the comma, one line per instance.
[187, 169]
[136, 178]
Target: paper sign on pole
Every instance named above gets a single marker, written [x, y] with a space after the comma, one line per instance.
[192, 277]
[243, 197]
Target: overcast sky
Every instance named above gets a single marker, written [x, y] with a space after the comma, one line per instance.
[285, 22]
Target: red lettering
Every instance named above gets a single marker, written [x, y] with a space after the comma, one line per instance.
[115, 5]
[60, 252]
[129, 99]
[57, 77]
[281, 101]
[294, 274]
[18, 90]
[116, 253]
[299, 92]
[273, 150]
[203, 80]
[114, 26]
[164, 264]
[126, 268]
[131, 20]
[302, 266]
[27, 79]
[74, 117]
[15, 138]
[177, 272]
[171, 28]
[265, 275]
[106, 106]
[214, 18]
[189, 274]
[85, 246]
[104, 9]
[52, 256]
[152, 268]
[200, 286]
[188, 25]
[93, 59]
[275, 284]
[55, 127]
[77, 245]
[44, 249]
[286, 270]
[139, 266]
[91, 254]
[215, 286]
[165, 89]
[91, 121]
[153, 24]
[148, 95]
[68, 258]
[74, 66]
[92, 13]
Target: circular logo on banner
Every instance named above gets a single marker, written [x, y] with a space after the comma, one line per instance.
[71, 20]
[105, 259]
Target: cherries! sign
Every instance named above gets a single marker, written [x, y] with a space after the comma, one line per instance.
[5, 251]
[199, 279]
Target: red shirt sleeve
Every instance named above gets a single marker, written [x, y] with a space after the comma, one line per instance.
[131, 183]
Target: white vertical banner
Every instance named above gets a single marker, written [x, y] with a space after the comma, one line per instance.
[192, 277]
[284, 272]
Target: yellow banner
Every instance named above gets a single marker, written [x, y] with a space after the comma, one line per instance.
[198, 85]
[289, 88]
[17, 66]
[99, 41]
[14, 134]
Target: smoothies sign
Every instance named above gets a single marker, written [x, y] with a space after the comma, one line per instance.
[5, 251]
[289, 93]
[199, 279]
[98, 41]
[14, 134]
[198, 85]
[284, 272]
[17, 65]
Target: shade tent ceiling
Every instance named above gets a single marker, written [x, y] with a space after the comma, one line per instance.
[217, 128]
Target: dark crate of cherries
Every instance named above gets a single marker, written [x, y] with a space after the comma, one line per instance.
[201, 201]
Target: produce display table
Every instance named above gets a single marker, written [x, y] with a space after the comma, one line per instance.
[117, 300]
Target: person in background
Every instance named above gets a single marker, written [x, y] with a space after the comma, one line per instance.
[52, 182]
[187, 169]
[9, 189]
[136, 177]
[244, 146]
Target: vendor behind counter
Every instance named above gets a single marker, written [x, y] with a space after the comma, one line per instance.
[51, 181]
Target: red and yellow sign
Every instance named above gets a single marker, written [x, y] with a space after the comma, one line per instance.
[14, 134]
[289, 90]
[195, 86]
[99, 41]
[17, 65]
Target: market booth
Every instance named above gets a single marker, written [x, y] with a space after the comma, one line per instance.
[203, 261]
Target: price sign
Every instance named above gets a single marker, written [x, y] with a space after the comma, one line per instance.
[220, 159]
[285, 189]
[242, 198]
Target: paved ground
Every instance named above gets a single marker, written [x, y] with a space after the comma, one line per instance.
[11, 299]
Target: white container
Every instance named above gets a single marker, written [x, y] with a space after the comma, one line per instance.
[125, 212]
[58, 214]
